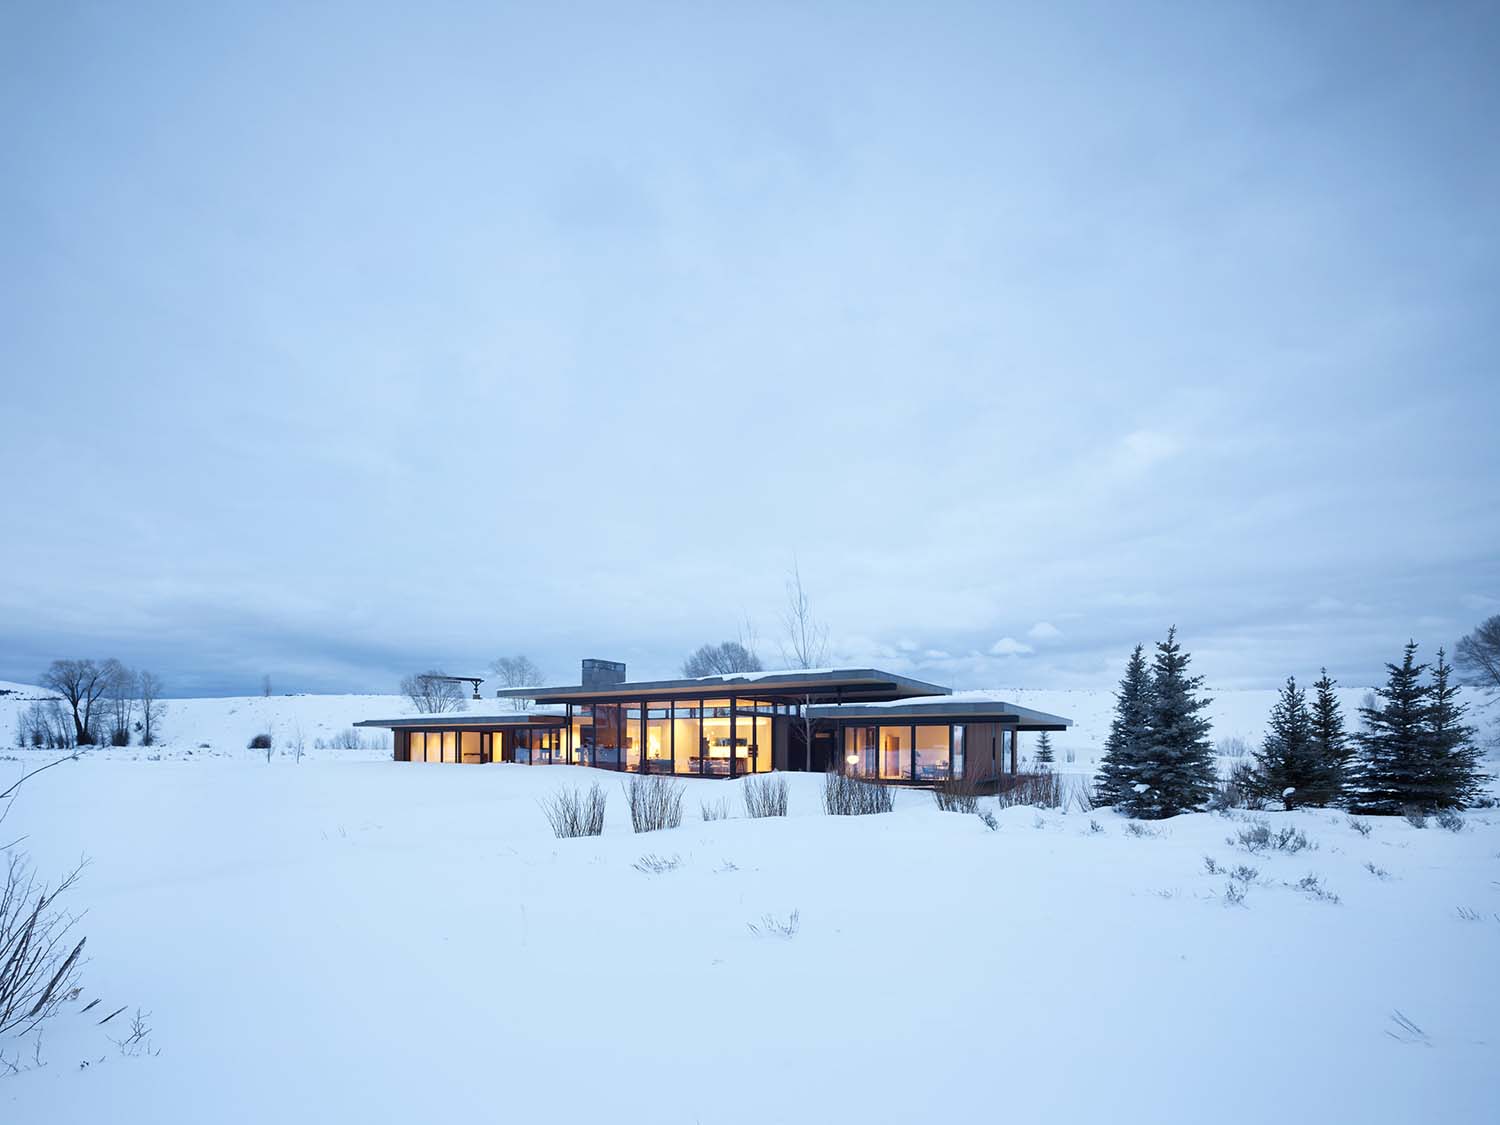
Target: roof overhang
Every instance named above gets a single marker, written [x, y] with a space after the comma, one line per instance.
[462, 720]
[820, 686]
[947, 710]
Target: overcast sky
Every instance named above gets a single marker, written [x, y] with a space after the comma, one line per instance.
[358, 339]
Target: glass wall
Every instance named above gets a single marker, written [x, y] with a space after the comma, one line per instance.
[687, 737]
[895, 753]
[859, 750]
[630, 736]
[958, 749]
[717, 746]
[468, 746]
[752, 728]
[932, 753]
[581, 746]
[658, 738]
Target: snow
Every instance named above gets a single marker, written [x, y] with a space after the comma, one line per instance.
[349, 938]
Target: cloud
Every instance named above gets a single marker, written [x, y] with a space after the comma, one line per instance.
[1141, 449]
[1044, 631]
[1009, 646]
[1327, 604]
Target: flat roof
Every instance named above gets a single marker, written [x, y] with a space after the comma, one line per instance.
[972, 707]
[823, 684]
[455, 720]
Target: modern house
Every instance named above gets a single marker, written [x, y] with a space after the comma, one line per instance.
[861, 720]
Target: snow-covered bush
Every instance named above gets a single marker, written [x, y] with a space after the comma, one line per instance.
[772, 926]
[716, 810]
[655, 802]
[854, 796]
[1451, 819]
[1258, 837]
[1236, 789]
[260, 742]
[957, 794]
[1041, 789]
[576, 812]
[765, 796]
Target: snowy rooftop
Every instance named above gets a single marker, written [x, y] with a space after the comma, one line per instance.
[823, 683]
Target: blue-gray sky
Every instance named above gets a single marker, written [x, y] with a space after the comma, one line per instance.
[341, 340]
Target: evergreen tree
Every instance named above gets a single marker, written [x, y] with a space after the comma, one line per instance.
[1043, 756]
[1118, 770]
[1331, 742]
[1176, 770]
[1289, 766]
[1393, 769]
[1452, 755]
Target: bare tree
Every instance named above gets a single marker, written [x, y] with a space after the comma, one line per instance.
[517, 672]
[433, 693]
[805, 638]
[804, 645]
[148, 689]
[265, 685]
[1478, 656]
[120, 698]
[82, 683]
[721, 660]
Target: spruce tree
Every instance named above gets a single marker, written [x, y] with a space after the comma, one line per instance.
[1289, 766]
[1176, 770]
[1331, 742]
[1043, 756]
[1452, 755]
[1127, 731]
[1393, 769]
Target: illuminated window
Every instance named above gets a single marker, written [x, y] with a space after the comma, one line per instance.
[932, 753]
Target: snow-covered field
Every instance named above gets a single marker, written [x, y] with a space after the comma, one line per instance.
[351, 939]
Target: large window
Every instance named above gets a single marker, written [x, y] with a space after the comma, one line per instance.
[468, 746]
[895, 753]
[658, 747]
[687, 737]
[716, 738]
[958, 749]
[932, 752]
[859, 750]
[753, 739]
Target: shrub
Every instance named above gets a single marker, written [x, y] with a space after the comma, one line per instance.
[772, 926]
[655, 802]
[574, 812]
[260, 742]
[1244, 873]
[1232, 747]
[120, 736]
[1378, 872]
[1360, 826]
[716, 810]
[1211, 865]
[1312, 886]
[1138, 830]
[1041, 789]
[1258, 838]
[38, 971]
[989, 820]
[957, 794]
[1234, 894]
[653, 864]
[1451, 819]
[765, 796]
[854, 796]
[1414, 816]
[1237, 789]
